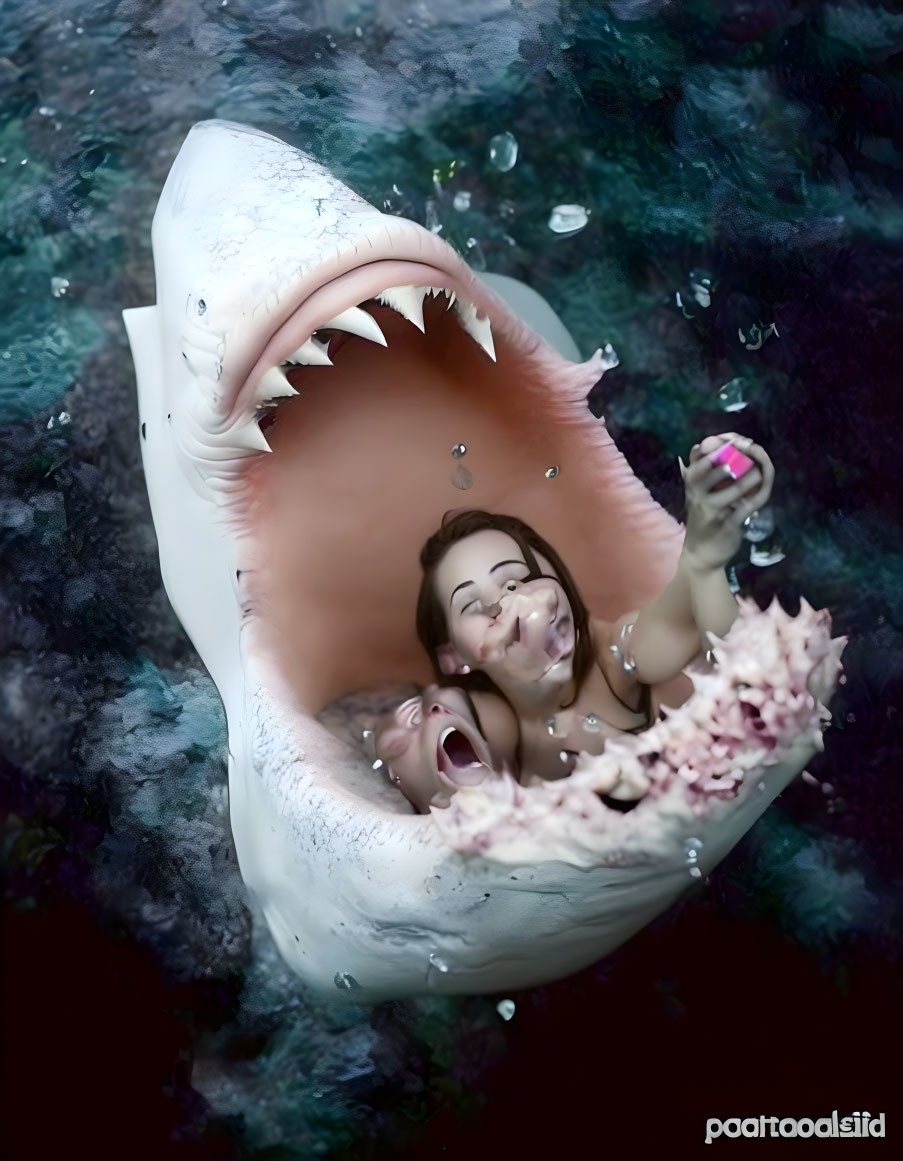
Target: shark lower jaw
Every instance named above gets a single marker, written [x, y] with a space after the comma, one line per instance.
[343, 307]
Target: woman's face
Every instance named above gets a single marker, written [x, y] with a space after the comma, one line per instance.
[517, 632]
[433, 744]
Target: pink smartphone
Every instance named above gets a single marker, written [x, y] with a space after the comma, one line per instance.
[735, 461]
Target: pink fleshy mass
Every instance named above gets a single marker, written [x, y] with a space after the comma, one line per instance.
[745, 714]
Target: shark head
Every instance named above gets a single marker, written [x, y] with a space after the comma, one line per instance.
[307, 380]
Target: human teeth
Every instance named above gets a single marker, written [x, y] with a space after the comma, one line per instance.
[448, 730]
[407, 301]
[273, 385]
[356, 322]
[251, 437]
[478, 328]
[312, 354]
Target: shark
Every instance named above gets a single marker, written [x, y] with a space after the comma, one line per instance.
[318, 382]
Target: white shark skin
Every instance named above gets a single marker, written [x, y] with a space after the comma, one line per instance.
[365, 901]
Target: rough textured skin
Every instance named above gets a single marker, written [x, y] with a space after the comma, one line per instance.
[254, 246]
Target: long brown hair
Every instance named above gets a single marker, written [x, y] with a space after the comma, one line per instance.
[432, 624]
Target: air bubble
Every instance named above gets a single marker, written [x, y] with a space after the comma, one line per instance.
[731, 395]
[461, 200]
[552, 472]
[765, 556]
[475, 257]
[202, 306]
[568, 219]
[759, 526]
[505, 1009]
[344, 981]
[462, 479]
[59, 286]
[503, 151]
[692, 847]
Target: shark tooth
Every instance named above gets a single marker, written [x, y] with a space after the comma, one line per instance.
[407, 301]
[249, 436]
[356, 322]
[478, 328]
[312, 354]
[273, 385]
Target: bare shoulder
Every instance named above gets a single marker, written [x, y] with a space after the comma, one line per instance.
[499, 721]
[611, 645]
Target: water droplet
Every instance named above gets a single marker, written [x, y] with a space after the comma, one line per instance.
[462, 478]
[505, 1009]
[358, 31]
[437, 962]
[503, 151]
[550, 725]
[764, 556]
[367, 735]
[758, 526]
[552, 472]
[50, 423]
[47, 111]
[475, 257]
[731, 395]
[461, 200]
[59, 286]
[64, 417]
[695, 872]
[459, 450]
[592, 723]
[344, 981]
[692, 847]
[568, 219]
[202, 306]
[431, 217]
[378, 764]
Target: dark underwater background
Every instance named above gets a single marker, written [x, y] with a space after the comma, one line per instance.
[740, 163]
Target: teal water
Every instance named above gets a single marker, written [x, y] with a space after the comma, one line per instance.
[738, 168]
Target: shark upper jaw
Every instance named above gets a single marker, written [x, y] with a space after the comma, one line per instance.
[341, 305]
[256, 247]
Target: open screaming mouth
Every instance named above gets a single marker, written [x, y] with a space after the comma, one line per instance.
[457, 759]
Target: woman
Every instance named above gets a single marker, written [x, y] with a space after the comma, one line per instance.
[445, 738]
[499, 611]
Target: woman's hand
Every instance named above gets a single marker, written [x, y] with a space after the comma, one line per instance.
[715, 517]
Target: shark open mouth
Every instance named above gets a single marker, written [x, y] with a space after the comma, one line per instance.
[318, 384]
